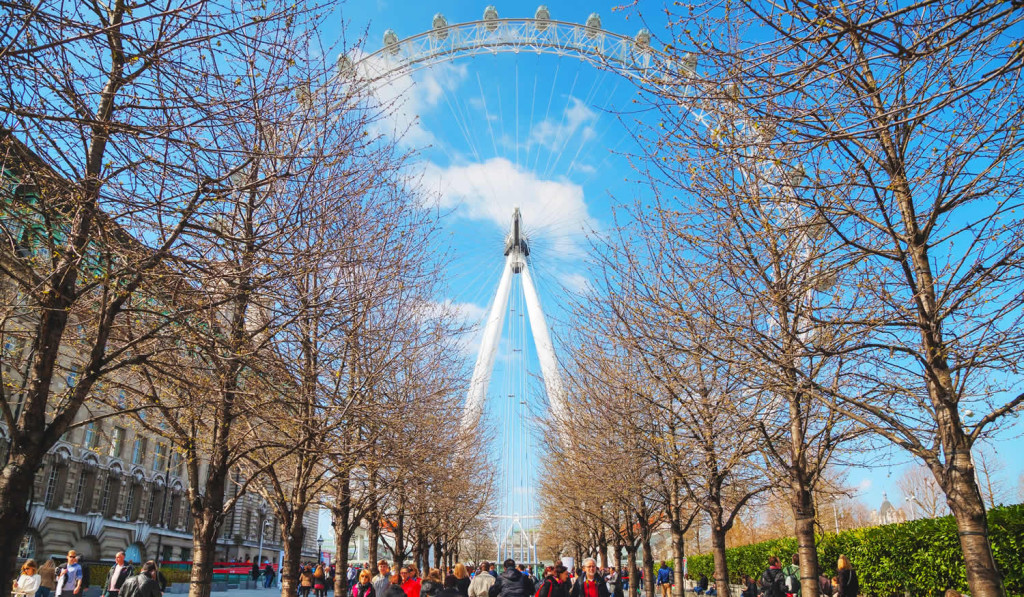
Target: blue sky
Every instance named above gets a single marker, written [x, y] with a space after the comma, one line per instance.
[546, 134]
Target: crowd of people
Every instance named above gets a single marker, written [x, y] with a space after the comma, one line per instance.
[784, 581]
[70, 579]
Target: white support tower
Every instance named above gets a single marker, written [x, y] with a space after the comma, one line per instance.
[516, 251]
[515, 531]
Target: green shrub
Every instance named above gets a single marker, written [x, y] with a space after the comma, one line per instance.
[921, 557]
[98, 574]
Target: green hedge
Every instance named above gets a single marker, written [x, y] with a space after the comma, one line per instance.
[922, 557]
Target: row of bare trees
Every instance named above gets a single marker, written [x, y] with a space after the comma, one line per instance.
[206, 231]
[827, 257]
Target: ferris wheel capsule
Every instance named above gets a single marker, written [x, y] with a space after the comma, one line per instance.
[593, 25]
[491, 17]
[689, 64]
[440, 26]
[542, 16]
[642, 41]
[344, 66]
[391, 41]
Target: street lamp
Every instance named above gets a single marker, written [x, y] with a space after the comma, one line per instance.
[320, 549]
[263, 528]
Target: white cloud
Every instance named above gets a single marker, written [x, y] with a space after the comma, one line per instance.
[552, 133]
[864, 485]
[404, 98]
[492, 189]
[468, 316]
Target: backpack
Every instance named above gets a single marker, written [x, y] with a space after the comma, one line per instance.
[773, 583]
[791, 580]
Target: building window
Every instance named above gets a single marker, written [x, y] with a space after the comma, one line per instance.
[108, 490]
[186, 554]
[27, 549]
[150, 513]
[116, 442]
[92, 437]
[130, 502]
[51, 486]
[139, 450]
[176, 462]
[160, 457]
[79, 493]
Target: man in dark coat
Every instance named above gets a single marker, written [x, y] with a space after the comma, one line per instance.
[590, 583]
[512, 583]
[116, 576]
[144, 584]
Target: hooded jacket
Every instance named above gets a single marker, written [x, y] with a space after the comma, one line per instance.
[512, 583]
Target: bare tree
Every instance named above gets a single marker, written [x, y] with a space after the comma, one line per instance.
[908, 123]
[919, 489]
[101, 106]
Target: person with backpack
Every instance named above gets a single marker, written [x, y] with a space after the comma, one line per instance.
[849, 586]
[791, 576]
[773, 583]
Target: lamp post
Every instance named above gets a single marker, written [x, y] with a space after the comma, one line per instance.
[320, 549]
[263, 528]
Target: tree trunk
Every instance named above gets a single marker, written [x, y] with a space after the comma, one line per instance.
[645, 542]
[602, 548]
[437, 554]
[342, 536]
[968, 508]
[721, 566]
[16, 487]
[373, 537]
[803, 511]
[204, 541]
[634, 572]
[293, 535]
[678, 550]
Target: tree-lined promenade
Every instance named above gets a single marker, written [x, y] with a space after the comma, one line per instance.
[826, 258]
[205, 234]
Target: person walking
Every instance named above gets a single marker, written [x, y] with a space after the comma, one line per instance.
[69, 577]
[410, 580]
[556, 584]
[28, 583]
[143, 584]
[664, 580]
[364, 587]
[589, 584]
[482, 582]
[749, 587]
[268, 575]
[773, 583]
[394, 586]
[791, 576]
[47, 578]
[512, 583]
[849, 586]
[381, 583]
[116, 576]
[320, 581]
[450, 588]
[462, 580]
[306, 581]
[432, 584]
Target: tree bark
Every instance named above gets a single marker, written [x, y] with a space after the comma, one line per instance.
[645, 541]
[634, 572]
[373, 537]
[16, 487]
[204, 540]
[968, 508]
[721, 566]
[803, 512]
[293, 535]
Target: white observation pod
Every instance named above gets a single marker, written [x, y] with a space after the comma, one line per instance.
[391, 41]
[440, 26]
[593, 25]
[689, 64]
[642, 41]
[491, 17]
[542, 16]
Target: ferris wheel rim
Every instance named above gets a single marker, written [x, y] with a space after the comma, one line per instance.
[400, 63]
